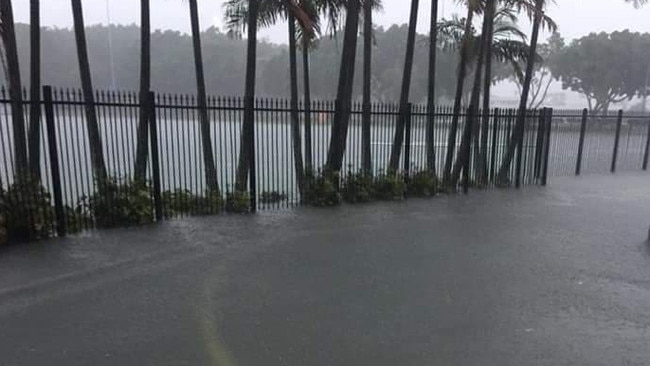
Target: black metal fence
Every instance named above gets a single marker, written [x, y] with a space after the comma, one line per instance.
[72, 198]
[584, 144]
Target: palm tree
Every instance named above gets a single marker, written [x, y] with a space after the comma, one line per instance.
[140, 168]
[518, 131]
[94, 138]
[500, 39]
[8, 35]
[204, 120]
[481, 165]
[265, 13]
[295, 119]
[306, 45]
[472, 7]
[35, 88]
[366, 155]
[471, 123]
[339, 128]
[398, 139]
[431, 87]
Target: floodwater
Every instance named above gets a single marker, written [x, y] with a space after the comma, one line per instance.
[541, 276]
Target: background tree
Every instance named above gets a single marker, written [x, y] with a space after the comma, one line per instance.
[542, 77]
[605, 68]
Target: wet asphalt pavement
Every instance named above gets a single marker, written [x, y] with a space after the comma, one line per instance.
[541, 276]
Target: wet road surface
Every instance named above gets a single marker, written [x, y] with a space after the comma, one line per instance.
[541, 276]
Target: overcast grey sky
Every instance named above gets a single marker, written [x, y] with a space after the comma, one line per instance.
[575, 17]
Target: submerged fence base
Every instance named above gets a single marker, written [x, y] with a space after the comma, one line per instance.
[174, 160]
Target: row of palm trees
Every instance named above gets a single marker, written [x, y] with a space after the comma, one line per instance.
[499, 40]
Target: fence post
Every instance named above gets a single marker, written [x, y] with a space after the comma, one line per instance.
[539, 145]
[407, 140]
[547, 144]
[495, 130]
[366, 160]
[54, 162]
[468, 152]
[249, 106]
[619, 122]
[647, 149]
[155, 159]
[581, 143]
[520, 148]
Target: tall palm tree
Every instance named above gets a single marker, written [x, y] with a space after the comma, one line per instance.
[306, 44]
[431, 89]
[242, 13]
[202, 103]
[35, 89]
[94, 138]
[366, 155]
[8, 35]
[472, 7]
[471, 123]
[518, 131]
[481, 165]
[296, 139]
[398, 139]
[140, 168]
[339, 129]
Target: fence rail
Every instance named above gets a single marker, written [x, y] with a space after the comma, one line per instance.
[182, 154]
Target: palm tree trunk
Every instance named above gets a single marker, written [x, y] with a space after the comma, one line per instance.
[140, 168]
[518, 132]
[431, 95]
[460, 82]
[471, 125]
[94, 138]
[202, 103]
[344, 93]
[366, 157]
[398, 139]
[15, 94]
[307, 91]
[487, 84]
[35, 89]
[295, 119]
[249, 96]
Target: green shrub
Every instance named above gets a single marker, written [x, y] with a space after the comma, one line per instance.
[238, 202]
[358, 187]
[28, 209]
[322, 189]
[118, 203]
[423, 184]
[272, 197]
[389, 187]
[183, 202]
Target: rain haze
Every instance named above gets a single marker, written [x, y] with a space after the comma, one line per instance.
[595, 16]
[575, 18]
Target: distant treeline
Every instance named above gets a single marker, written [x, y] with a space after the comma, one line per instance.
[172, 66]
